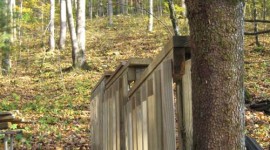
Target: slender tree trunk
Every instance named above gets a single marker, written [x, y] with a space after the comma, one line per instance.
[183, 5]
[52, 10]
[6, 47]
[100, 8]
[90, 9]
[13, 20]
[63, 24]
[160, 7]
[255, 23]
[126, 6]
[110, 12]
[264, 9]
[216, 40]
[151, 17]
[122, 6]
[75, 4]
[81, 30]
[173, 18]
[73, 36]
[20, 23]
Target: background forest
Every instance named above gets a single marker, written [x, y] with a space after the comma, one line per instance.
[53, 53]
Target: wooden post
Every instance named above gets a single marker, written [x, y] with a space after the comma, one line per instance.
[182, 77]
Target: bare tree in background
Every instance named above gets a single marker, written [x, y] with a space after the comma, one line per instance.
[51, 40]
[63, 24]
[151, 17]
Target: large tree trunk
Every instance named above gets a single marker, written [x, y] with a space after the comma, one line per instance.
[63, 24]
[216, 30]
[52, 10]
[151, 17]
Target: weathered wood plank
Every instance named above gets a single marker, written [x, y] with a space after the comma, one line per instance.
[144, 117]
[130, 128]
[134, 123]
[132, 62]
[159, 118]
[7, 113]
[5, 125]
[139, 120]
[152, 125]
[179, 42]
[187, 106]
[103, 79]
[168, 106]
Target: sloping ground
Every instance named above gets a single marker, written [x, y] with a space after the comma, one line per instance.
[58, 101]
[257, 82]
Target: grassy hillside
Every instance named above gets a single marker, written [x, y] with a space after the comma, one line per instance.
[57, 100]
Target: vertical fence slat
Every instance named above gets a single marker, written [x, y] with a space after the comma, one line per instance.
[134, 122]
[152, 126]
[139, 120]
[130, 129]
[159, 118]
[144, 117]
[187, 105]
[168, 106]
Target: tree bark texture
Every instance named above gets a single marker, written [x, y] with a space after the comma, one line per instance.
[216, 40]
[63, 24]
[51, 40]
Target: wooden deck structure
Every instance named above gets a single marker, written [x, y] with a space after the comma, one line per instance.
[140, 106]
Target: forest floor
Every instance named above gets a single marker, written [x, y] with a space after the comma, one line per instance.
[57, 101]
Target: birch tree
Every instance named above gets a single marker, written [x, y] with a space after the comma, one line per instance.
[81, 30]
[173, 18]
[63, 24]
[110, 12]
[78, 54]
[151, 17]
[216, 39]
[6, 41]
[90, 9]
[51, 40]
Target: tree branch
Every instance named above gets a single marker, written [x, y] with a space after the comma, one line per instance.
[262, 21]
[257, 33]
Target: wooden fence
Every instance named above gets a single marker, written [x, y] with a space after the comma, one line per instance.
[145, 105]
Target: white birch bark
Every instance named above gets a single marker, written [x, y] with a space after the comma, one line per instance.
[110, 12]
[52, 10]
[151, 17]
[63, 24]
[90, 9]
[78, 57]
[81, 26]
[6, 18]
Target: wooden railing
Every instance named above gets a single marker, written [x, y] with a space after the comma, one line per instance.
[142, 105]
